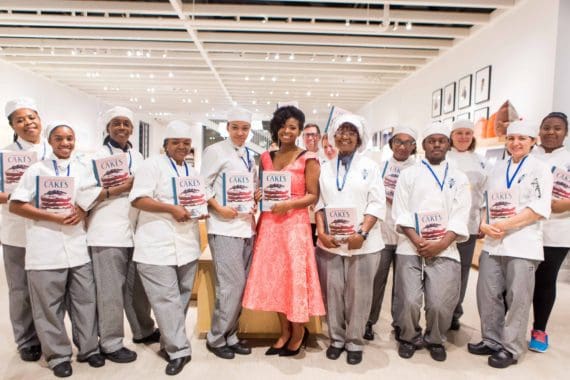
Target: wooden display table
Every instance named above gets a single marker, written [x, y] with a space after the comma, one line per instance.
[252, 324]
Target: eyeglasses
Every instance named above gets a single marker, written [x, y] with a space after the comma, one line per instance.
[405, 144]
[346, 133]
[311, 135]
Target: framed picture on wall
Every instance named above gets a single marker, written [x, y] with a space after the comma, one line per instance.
[463, 116]
[483, 85]
[449, 98]
[144, 138]
[464, 92]
[481, 113]
[448, 121]
[436, 103]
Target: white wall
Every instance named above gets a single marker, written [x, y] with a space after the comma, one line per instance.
[521, 47]
[562, 71]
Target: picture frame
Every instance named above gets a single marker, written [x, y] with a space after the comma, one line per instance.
[464, 92]
[144, 138]
[481, 113]
[449, 98]
[448, 120]
[436, 103]
[483, 85]
[463, 116]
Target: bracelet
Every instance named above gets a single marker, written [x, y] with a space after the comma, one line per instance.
[363, 234]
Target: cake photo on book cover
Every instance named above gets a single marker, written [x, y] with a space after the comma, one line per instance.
[561, 185]
[500, 204]
[238, 191]
[275, 187]
[340, 222]
[12, 166]
[390, 181]
[431, 225]
[55, 194]
[111, 171]
[190, 192]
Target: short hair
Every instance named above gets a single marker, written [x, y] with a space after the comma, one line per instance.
[560, 115]
[280, 117]
[471, 147]
[313, 125]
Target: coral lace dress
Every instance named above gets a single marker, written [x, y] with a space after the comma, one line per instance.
[283, 275]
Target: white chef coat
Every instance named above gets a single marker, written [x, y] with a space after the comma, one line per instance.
[112, 221]
[533, 185]
[391, 169]
[51, 245]
[556, 229]
[218, 159]
[159, 239]
[474, 168]
[363, 190]
[417, 191]
[13, 226]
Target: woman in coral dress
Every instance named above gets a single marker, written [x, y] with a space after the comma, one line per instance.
[283, 275]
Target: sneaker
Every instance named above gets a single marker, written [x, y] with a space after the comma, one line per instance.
[538, 341]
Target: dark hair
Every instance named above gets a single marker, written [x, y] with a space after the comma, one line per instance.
[471, 147]
[413, 152]
[560, 115]
[312, 125]
[280, 117]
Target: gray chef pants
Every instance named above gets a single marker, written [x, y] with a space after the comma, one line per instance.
[349, 281]
[119, 288]
[439, 288]
[19, 297]
[51, 293]
[509, 280]
[168, 289]
[231, 257]
[380, 279]
[466, 250]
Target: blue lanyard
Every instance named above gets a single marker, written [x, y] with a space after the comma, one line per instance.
[43, 146]
[130, 157]
[57, 169]
[173, 164]
[512, 179]
[338, 185]
[247, 163]
[384, 170]
[442, 183]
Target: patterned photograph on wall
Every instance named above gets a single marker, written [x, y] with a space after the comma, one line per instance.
[463, 116]
[436, 103]
[483, 85]
[464, 92]
[449, 98]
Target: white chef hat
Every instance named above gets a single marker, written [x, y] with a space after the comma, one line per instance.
[405, 129]
[57, 123]
[462, 124]
[16, 104]
[177, 129]
[117, 111]
[436, 129]
[520, 127]
[357, 121]
[239, 114]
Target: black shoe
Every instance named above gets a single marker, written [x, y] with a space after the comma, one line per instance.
[501, 359]
[368, 332]
[333, 353]
[95, 360]
[150, 339]
[122, 355]
[419, 342]
[286, 351]
[455, 325]
[397, 331]
[174, 366]
[437, 352]
[353, 357]
[223, 352]
[31, 354]
[479, 349]
[240, 348]
[406, 350]
[63, 369]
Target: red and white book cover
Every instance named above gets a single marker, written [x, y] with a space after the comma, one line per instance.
[390, 180]
[341, 222]
[431, 225]
[55, 194]
[12, 166]
[190, 192]
[501, 204]
[561, 185]
[112, 170]
[238, 188]
[275, 187]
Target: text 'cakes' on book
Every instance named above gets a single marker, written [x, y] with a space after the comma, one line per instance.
[431, 225]
[111, 171]
[13, 165]
[190, 192]
[238, 191]
[55, 194]
[275, 187]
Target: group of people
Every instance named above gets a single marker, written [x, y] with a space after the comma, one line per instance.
[131, 247]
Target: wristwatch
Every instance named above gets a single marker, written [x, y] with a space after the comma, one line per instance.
[363, 234]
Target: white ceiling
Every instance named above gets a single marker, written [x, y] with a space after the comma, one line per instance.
[172, 58]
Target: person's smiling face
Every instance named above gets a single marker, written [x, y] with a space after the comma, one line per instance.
[27, 124]
[62, 141]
